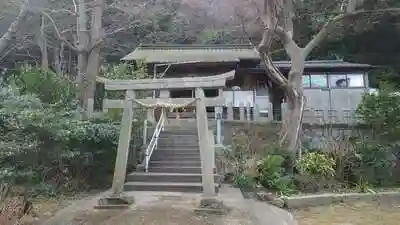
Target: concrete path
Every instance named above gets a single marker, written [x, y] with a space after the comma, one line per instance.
[159, 208]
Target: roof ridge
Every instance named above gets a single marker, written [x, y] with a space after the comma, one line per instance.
[194, 46]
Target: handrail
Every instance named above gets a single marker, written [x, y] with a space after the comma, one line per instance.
[154, 139]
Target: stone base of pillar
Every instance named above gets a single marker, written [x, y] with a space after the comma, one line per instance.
[115, 202]
[211, 206]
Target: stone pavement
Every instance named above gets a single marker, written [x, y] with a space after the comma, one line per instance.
[159, 208]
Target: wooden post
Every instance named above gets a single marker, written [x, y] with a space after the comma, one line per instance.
[248, 111]
[123, 145]
[218, 117]
[271, 112]
[205, 151]
[145, 132]
[256, 113]
[241, 111]
[211, 140]
[150, 113]
[284, 110]
[230, 111]
[105, 109]
[90, 107]
[340, 116]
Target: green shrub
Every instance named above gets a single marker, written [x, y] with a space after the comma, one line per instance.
[317, 165]
[373, 163]
[242, 180]
[48, 86]
[42, 143]
[271, 174]
[316, 171]
[381, 111]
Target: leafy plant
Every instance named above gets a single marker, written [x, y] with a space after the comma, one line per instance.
[44, 143]
[317, 165]
[243, 180]
[48, 86]
[363, 186]
[271, 174]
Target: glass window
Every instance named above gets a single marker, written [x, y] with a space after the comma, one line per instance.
[306, 81]
[337, 81]
[355, 80]
[319, 81]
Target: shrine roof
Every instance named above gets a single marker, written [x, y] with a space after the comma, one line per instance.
[167, 53]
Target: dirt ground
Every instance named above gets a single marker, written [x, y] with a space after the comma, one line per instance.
[164, 212]
[150, 209]
[360, 213]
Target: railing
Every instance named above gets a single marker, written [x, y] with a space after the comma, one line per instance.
[154, 139]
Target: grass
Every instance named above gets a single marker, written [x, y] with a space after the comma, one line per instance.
[359, 213]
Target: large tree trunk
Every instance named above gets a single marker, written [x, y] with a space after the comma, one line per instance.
[6, 38]
[295, 103]
[83, 42]
[43, 45]
[94, 55]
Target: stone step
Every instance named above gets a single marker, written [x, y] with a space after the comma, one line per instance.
[166, 163]
[165, 187]
[178, 135]
[179, 132]
[175, 169]
[174, 157]
[178, 140]
[178, 144]
[181, 141]
[176, 151]
[176, 148]
[166, 177]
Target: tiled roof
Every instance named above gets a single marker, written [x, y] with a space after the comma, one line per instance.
[191, 53]
[170, 53]
[322, 64]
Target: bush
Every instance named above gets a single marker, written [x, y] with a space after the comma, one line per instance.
[377, 153]
[45, 84]
[43, 141]
[373, 163]
[271, 174]
[317, 165]
[316, 171]
[381, 111]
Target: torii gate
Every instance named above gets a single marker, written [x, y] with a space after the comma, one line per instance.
[206, 150]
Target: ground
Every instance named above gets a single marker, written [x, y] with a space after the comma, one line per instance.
[158, 208]
[163, 211]
[359, 213]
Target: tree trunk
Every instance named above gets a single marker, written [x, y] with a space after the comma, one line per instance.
[82, 43]
[43, 45]
[93, 66]
[5, 39]
[294, 102]
[59, 59]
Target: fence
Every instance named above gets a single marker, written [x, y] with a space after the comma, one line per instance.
[247, 113]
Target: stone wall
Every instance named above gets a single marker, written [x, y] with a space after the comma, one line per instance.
[267, 133]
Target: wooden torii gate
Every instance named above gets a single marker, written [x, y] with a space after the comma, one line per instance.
[206, 150]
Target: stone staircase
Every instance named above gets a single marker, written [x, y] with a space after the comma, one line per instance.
[174, 167]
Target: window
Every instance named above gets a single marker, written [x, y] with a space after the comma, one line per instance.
[337, 81]
[315, 81]
[319, 81]
[306, 81]
[344, 81]
[355, 80]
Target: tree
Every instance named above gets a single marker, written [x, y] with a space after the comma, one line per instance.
[278, 20]
[7, 36]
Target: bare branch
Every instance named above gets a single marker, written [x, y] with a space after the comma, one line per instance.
[324, 31]
[59, 35]
[14, 26]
